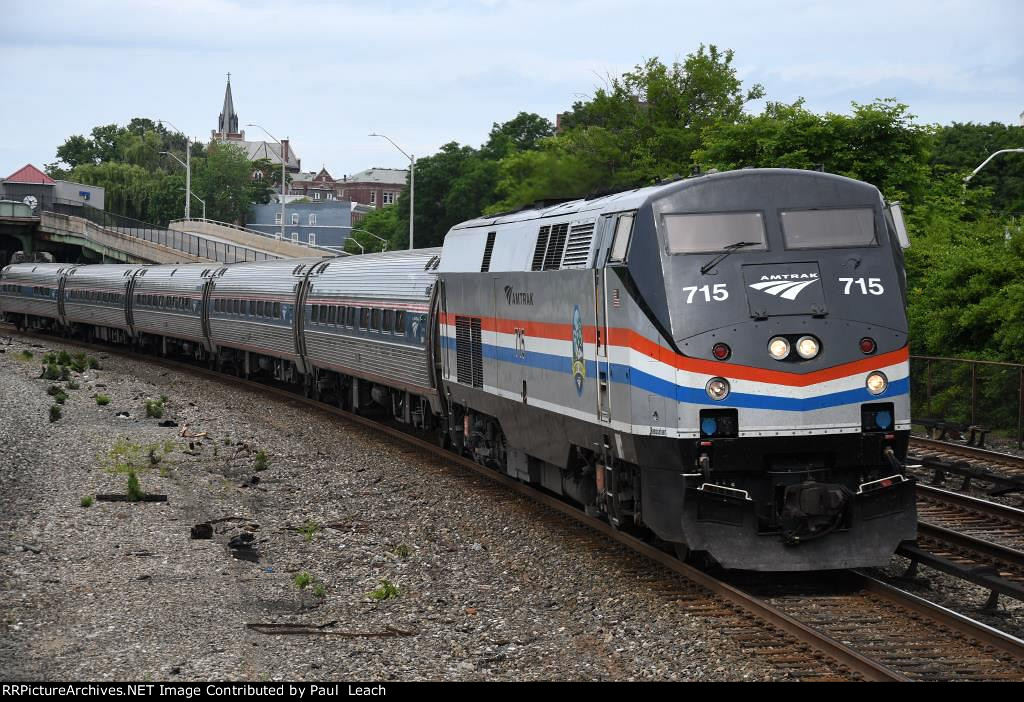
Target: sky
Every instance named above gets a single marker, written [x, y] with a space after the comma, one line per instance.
[326, 74]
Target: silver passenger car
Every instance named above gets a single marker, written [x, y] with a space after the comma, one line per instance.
[32, 289]
[366, 316]
[252, 306]
[97, 295]
[168, 301]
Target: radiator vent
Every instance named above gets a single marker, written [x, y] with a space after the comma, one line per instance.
[556, 244]
[485, 265]
[577, 251]
[469, 363]
[538, 252]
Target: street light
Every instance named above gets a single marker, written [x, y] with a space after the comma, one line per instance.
[985, 162]
[412, 181]
[189, 192]
[187, 165]
[281, 152]
[379, 238]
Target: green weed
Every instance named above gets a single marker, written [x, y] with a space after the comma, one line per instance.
[102, 400]
[386, 591]
[309, 530]
[134, 490]
[154, 408]
[55, 413]
[87, 501]
[261, 462]
[303, 580]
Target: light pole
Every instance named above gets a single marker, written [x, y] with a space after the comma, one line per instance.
[187, 191]
[187, 165]
[412, 181]
[367, 231]
[281, 152]
[985, 162]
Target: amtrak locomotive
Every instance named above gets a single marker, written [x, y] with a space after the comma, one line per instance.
[719, 361]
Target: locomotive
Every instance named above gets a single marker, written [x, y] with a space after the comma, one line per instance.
[720, 362]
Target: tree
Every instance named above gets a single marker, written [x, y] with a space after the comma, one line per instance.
[523, 132]
[960, 148]
[879, 143]
[644, 126]
[224, 180]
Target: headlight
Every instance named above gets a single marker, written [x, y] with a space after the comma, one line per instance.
[876, 382]
[778, 348]
[717, 388]
[807, 347]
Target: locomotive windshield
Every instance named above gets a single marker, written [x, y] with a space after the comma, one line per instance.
[709, 233]
[818, 229]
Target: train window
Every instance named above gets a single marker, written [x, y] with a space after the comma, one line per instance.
[252, 308]
[261, 309]
[375, 320]
[237, 306]
[364, 317]
[389, 321]
[314, 311]
[711, 232]
[332, 314]
[620, 243]
[323, 314]
[350, 316]
[277, 310]
[824, 229]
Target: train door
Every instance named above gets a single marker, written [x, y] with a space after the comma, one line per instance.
[601, 359]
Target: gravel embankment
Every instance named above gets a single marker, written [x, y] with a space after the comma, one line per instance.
[118, 590]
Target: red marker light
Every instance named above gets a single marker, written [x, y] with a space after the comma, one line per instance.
[867, 345]
[721, 351]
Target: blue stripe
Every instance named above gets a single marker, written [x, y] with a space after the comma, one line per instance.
[626, 375]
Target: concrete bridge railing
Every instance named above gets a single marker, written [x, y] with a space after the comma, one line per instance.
[281, 248]
[137, 246]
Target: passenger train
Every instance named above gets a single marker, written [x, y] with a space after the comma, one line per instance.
[720, 362]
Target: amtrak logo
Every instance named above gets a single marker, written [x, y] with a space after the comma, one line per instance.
[579, 364]
[785, 285]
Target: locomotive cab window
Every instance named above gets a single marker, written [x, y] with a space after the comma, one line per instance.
[828, 229]
[620, 242]
[713, 232]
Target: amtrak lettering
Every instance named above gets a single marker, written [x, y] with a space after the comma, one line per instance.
[518, 298]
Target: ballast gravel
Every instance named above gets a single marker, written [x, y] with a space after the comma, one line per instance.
[472, 585]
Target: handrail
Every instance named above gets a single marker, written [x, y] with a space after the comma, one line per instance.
[256, 232]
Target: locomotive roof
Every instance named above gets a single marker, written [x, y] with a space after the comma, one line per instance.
[633, 199]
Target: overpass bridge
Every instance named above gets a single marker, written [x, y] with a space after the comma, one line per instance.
[76, 231]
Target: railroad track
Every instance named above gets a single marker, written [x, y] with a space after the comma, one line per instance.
[864, 629]
[972, 539]
[1004, 472]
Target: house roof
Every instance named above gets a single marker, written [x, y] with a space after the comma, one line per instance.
[387, 176]
[30, 174]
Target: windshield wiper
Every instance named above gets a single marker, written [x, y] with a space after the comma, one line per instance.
[728, 250]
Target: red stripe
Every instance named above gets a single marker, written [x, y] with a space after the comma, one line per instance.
[627, 338]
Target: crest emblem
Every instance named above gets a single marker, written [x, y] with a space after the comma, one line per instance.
[579, 365]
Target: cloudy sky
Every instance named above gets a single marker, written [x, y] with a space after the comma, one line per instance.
[328, 73]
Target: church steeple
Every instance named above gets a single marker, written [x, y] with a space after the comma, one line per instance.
[227, 124]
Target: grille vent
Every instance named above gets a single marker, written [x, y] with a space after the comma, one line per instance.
[556, 244]
[469, 360]
[538, 253]
[577, 251]
[488, 250]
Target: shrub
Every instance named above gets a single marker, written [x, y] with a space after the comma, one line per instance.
[309, 530]
[55, 413]
[79, 362]
[51, 372]
[302, 580]
[135, 492]
[87, 501]
[261, 462]
[93, 363]
[320, 590]
[102, 400]
[386, 591]
[155, 408]
[73, 385]
[50, 358]
[65, 373]
[25, 356]
[64, 358]
[402, 551]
